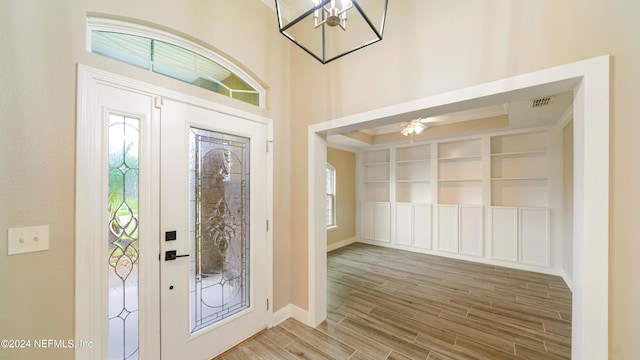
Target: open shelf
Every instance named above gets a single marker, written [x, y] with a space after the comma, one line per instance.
[413, 181]
[459, 180]
[414, 153]
[461, 158]
[460, 149]
[413, 161]
[520, 153]
[375, 175]
[518, 178]
[519, 143]
[519, 170]
[527, 192]
[413, 192]
[460, 192]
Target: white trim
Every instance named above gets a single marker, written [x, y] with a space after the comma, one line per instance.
[567, 279]
[589, 81]
[118, 26]
[339, 244]
[464, 257]
[281, 315]
[317, 253]
[289, 311]
[343, 148]
[299, 314]
[91, 296]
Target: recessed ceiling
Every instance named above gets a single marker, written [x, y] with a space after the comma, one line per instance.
[525, 113]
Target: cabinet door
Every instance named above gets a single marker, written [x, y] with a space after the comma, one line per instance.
[504, 233]
[534, 236]
[382, 221]
[448, 228]
[366, 220]
[404, 224]
[422, 226]
[471, 230]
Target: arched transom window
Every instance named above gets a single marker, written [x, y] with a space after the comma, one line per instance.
[170, 55]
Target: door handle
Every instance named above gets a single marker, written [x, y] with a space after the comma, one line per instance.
[172, 255]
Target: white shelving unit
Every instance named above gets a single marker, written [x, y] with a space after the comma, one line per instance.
[483, 198]
[413, 174]
[519, 170]
[460, 172]
[375, 175]
[375, 206]
[413, 225]
[520, 198]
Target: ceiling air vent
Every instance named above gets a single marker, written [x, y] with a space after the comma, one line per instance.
[542, 102]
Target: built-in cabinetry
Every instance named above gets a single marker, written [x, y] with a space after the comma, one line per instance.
[375, 221]
[413, 174]
[460, 172]
[413, 225]
[376, 175]
[520, 235]
[413, 196]
[484, 198]
[519, 170]
[519, 198]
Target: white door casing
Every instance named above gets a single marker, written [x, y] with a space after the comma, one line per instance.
[589, 81]
[101, 93]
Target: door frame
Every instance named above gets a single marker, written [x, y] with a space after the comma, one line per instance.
[589, 82]
[91, 322]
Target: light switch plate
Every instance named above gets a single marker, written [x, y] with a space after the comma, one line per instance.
[28, 239]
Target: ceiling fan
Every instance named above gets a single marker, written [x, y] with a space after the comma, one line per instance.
[414, 126]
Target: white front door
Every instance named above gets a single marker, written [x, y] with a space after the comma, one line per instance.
[149, 170]
[213, 213]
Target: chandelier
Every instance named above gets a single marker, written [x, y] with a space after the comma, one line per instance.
[332, 15]
[319, 27]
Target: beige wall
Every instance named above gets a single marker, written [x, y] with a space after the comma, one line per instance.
[431, 47]
[345, 164]
[42, 42]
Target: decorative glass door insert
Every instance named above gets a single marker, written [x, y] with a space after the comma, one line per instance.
[123, 142]
[219, 218]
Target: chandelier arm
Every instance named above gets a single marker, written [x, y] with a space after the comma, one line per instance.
[366, 18]
[345, 9]
[301, 17]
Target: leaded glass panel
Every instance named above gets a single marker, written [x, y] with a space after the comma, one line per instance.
[219, 217]
[122, 259]
[174, 61]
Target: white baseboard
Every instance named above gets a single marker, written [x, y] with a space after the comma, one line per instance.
[281, 315]
[472, 258]
[299, 314]
[567, 279]
[340, 244]
[289, 311]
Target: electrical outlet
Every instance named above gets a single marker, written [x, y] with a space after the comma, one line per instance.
[28, 239]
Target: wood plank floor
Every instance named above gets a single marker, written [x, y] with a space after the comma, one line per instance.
[391, 304]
